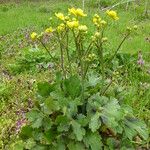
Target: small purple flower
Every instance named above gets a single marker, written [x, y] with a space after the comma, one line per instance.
[19, 124]
[140, 60]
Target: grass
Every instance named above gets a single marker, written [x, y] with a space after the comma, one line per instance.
[36, 14]
[15, 17]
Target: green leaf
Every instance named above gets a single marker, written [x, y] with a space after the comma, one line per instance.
[72, 86]
[75, 146]
[32, 115]
[35, 118]
[112, 114]
[47, 123]
[62, 123]
[83, 120]
[37, 134]
[93, 79]
[18, 146]
[95, 122]
[50, 106]
[39, 147]
[26, 132]
[133, 126]
[93, 140]
[78, 130]
[61, 144]
[50, 135]
[111, 143]
[30, 143]
[44, 88]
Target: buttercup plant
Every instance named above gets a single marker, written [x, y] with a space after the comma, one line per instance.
[73, 112]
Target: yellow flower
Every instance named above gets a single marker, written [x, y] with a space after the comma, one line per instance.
[61, 27]
[72, 24]
[49, 30]
[112, 14]
[96, 20]
[33, 35]
[83, 28]
[91, 57]
[60, 16]
[103, 23]
[77, 12]
[97, 35]
[97, 16]
[72, 11]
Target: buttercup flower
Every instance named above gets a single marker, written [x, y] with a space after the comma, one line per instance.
[77, 12]
[72, 24]
[91, 57]
[33, 35]
[60, 16]
[72, 11]
[49, 30]
[61, 27]
[83, 28]
[96, 20]
[112, 14]
[103, 23]
[97, 34]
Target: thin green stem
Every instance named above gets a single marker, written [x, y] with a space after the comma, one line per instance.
[79, 47]
[61, 55]
[100, 52]
[67, 50]
[119, 46]
[47, 50]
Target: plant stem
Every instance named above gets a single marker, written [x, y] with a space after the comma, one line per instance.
[47, 50]
[68, 57]
[100, 53]
[105, 90]
[61, 55]
[119, 46]
[78, 49]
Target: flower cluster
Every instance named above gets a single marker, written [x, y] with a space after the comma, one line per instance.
[60, 16]
[98, 22]
[71, 21]
[73, 24]
[77, 12]
[112, 14]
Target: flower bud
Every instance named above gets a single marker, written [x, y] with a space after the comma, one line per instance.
[135, 27]
[104, 39]
[129, 29]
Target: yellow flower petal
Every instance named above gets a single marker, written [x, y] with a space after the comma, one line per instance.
[60, 16]
[33, 35]
[112, 14]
